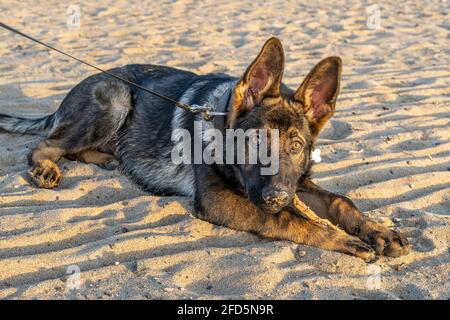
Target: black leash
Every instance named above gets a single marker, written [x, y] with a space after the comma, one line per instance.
[208, 112]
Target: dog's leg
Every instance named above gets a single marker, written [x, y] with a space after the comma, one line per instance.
[45, 172]
[218, 203]
[89, 117]
[103, 160]
[341, 211]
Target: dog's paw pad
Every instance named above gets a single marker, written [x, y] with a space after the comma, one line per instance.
[45, 174]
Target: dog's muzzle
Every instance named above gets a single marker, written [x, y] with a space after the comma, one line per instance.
[275, 199]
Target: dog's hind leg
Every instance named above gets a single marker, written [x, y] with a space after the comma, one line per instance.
[102, 159]
[88, 119]
[45, 173]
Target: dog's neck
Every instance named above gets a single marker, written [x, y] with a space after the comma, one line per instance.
[220, 100]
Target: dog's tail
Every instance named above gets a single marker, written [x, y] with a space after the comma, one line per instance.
[40, 126]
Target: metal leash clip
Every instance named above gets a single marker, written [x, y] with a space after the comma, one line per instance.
[207, 112]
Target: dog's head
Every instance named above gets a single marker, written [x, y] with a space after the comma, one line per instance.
[261, 101]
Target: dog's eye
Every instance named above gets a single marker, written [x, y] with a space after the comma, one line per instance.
[296, 146]
[255, 139]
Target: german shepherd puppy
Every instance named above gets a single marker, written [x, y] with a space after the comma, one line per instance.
[110, 123]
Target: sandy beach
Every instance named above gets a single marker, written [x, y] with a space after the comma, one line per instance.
[387, 148]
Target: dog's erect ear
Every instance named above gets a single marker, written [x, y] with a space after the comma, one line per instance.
[262, 79]
[318, 92]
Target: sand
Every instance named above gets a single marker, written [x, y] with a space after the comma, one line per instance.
[387, 148]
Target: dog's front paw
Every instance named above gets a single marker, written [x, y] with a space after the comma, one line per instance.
[45, 174]
[356, 247]
[384, 240]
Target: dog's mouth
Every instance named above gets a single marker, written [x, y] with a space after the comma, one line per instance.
[272, 208]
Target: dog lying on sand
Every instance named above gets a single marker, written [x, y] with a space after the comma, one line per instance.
[113, 124]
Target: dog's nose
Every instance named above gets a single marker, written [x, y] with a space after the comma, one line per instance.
[275, 197]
